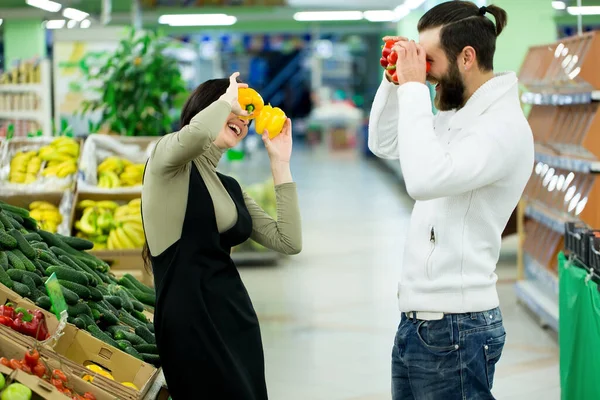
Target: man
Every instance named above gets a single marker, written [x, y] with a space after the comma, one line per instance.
[466, 167]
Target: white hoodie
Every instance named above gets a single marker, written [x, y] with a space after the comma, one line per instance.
[467, 170]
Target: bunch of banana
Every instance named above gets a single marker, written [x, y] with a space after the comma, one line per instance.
[110, 226]
[24, 167]
[61, 157]
[116, 172]
[46, 214]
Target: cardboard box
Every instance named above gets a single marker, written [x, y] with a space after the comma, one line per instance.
[123, 260]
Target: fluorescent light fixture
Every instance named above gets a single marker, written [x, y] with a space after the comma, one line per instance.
[379, 15]
[412, 4]
[85, 24]
[328, 16]
[584, 10]
[559, 5]
[71, 24]
[46, 5]
[197, 19]
[77, 15]
[401, 12]
[55, 24]
[1, 20]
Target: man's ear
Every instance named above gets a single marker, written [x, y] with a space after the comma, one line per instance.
[468, 58]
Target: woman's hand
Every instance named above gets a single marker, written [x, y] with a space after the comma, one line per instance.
[280, 147]
[231, 95]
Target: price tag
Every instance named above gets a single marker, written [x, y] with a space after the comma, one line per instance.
[56, 296]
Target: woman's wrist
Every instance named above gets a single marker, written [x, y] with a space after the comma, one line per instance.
[281, 172]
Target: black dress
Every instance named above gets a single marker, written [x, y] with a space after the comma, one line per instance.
[207, 331]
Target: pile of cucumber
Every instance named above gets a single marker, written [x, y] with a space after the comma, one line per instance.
[110, 309]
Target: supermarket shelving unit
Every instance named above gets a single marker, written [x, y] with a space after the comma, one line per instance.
[563, 86]
[16, 108]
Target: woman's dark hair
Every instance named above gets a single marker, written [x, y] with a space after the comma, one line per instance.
[465, 24]
[204, 95]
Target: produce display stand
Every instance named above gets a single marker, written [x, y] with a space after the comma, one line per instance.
[563, 90]
[25, 100]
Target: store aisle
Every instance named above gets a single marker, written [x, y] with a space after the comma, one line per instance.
[329, 315]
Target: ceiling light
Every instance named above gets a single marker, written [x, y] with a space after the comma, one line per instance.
[584, 10]
[55, 24]
[328, 16]
[1, 21]
[77, 15]
[412, 4]
[559, 5]
[197, 19]
[46, 5]
[379, 15]
[85, 24]
[71, 24]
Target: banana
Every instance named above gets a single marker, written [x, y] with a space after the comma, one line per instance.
[134, 234]
[66, 169]
[17, 177]
[110, 242]
[52, 216]
[111, 164]
[51, 171]
[107, 204]
[105, 220]
[135, 203]
[30, 178]
[109, 179]
[54, 156]
[86, 204]
[41, 205]
[124, 241]
[34, 165]
[71, 149]
[88, 221]
[128, 218]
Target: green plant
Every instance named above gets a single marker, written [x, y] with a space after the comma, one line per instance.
[139, 85]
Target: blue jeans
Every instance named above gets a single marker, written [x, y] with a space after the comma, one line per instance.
[449, 359]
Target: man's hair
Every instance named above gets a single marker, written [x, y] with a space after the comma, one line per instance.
[464, 24]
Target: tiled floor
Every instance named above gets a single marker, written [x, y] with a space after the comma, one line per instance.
[329, 315]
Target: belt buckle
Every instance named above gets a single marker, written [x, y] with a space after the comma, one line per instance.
[425, 315]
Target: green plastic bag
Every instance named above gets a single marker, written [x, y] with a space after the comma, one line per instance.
[579, 332]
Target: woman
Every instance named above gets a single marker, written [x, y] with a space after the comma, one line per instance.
[207, 331]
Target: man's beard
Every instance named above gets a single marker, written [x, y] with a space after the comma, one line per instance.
[451, 94]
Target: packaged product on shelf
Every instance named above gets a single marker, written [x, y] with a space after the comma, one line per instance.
[40, 164]
[109, 319]
[112, 164]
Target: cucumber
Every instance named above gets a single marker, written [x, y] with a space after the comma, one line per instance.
[126, 303]
[113, 329]
[15, 223]
[139, 316]
[44, 302]
[18, 274]
[53, 240]
[153, 359]
[14, 210]
[133, 352]
[23, 244]
[5, 221]
[16, 217]
[138, 285]
[98, 334]
[44, 264]
[21, 289]
[142, 297]
[145, 334]
[39, 268]
[87, 319]
[2, 228]
[95, 314]
[109, 307]
[137, 306]
[131, 337]
[146, 348]
[115, 301]
[15, 261]
[37, 293]
[7, 241]
[123, 344]
[95, 294]
[81, 291]
[76, 243]
[79, 309]
[30, 284]
[126, 283]
[104, 314]
[127, 319]
[5, 278]
[31, 237]
[75, 263]
[79, 323]
[3, 260]
[26, 261]
[47, 256]
[40, 246]
[104, 290]
[30, 224]
[150, 327]
[68, 274]
[70, 296]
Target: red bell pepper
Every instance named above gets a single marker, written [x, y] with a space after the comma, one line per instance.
[7, 321]
[7, 310]
[32, 324]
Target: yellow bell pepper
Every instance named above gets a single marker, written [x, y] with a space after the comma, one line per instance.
[272, 119]
[129, 384]
[251, 101]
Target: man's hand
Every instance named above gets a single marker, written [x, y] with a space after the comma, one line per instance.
[411, 65]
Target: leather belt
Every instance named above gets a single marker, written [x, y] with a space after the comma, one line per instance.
[425, 315]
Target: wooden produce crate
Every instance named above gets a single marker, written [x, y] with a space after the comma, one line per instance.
[121, 261]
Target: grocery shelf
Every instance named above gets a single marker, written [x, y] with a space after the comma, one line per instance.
[539, 303]
[559, 99]
[569, 163]
[547, 217]
[25, 115]
[541, 275]
[22, 88]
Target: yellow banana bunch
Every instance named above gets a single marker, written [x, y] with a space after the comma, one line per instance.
[24, 167]
[116, 172]
[46, 214]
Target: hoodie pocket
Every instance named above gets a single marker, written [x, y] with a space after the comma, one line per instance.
[432, 242]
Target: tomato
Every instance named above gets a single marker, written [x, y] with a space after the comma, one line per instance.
[57, 383]
[32, 357]
[389, 44]
[386, 52]
[66, 392]
[25, 368]
[15, 364]
[58, 374]
[384, 62]
[393, 58]
[4, 361]
[39, 370]
[89, 396]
